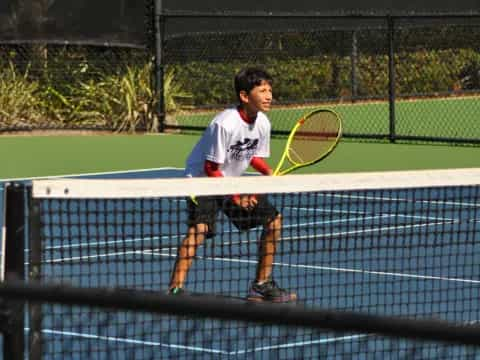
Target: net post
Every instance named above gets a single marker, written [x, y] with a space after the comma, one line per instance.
[35, 308]
[13, 312]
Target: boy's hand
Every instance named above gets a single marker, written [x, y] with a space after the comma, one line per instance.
[245, 201]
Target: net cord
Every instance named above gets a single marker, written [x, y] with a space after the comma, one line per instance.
[173, 187]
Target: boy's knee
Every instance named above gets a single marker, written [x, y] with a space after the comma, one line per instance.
[201, 229]
[276, 223]
[196, 235]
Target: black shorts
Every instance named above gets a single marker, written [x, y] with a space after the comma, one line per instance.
[204, 210]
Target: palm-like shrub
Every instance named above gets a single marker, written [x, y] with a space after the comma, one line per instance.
[19, 105]
[125, 102]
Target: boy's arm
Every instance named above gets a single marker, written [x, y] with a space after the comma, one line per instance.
[212, 169]
[261, 165]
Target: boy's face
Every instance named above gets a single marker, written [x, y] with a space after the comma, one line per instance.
[258, 99]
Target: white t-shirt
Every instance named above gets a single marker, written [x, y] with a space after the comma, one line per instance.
[230, 142]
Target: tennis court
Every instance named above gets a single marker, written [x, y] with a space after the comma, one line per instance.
[401, 244]
[392, 252]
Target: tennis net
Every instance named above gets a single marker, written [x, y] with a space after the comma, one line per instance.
[398, 244]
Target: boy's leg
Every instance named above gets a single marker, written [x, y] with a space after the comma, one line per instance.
[268, 245]
[264, 213]
[201, 225]
[195, 237]
[264, 288]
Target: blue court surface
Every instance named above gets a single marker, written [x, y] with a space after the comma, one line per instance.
[355, 252]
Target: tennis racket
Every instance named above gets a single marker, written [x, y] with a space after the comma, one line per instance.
[312, 138]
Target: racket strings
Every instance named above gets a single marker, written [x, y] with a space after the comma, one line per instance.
[296, 157]
[313, 138]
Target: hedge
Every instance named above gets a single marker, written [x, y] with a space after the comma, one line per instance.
[326, 77]
[204, 83]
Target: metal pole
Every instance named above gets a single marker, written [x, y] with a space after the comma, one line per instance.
[391, 78]
[159, 66]
[353, 63]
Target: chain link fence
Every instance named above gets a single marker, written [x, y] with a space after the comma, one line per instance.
[390, 78]
[76, 66]
[47, 87]
[394, 79]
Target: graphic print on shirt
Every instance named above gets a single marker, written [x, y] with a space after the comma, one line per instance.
[242, 150]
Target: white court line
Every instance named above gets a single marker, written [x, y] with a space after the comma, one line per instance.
[336, 221]
[133, 341]
[91, 174]
[111, 242]
[202, 349]
[114, 242]
[302, 343]
[152, 238]
[380, 198]
[399, 199]
[382, 215]
[348, 270]
[303, 266]
[373, 216]
[311, 267]
[99, 256]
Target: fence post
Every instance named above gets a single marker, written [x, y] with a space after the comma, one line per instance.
[159, 27]
[391, 77]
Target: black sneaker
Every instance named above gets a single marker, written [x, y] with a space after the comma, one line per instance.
[176, 291]
[269, 291]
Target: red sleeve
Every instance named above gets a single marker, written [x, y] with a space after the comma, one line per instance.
[261, 165]
[212, 169]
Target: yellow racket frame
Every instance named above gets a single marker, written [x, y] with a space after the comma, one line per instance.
[286, 152]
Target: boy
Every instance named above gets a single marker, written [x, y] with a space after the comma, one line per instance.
[235, 139]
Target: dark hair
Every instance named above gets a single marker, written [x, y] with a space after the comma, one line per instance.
[246, 79]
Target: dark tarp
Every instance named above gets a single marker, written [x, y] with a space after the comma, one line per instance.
[129, 22]
[89, 21]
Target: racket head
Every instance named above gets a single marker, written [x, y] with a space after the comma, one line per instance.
[312, 138]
